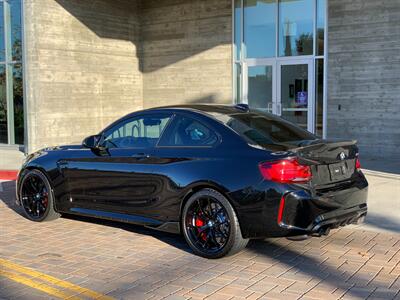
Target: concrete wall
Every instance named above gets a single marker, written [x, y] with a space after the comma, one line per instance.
[90, 62]
[364, 74]
[186, 51]
[82, 67]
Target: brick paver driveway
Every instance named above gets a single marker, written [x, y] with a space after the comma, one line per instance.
[128, 262]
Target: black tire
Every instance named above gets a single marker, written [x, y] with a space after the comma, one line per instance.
[228, 242]
[36, 178]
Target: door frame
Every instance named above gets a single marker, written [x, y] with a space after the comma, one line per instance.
[276, 64]
[310, 96]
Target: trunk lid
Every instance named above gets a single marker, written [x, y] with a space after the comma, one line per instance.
[331, 161]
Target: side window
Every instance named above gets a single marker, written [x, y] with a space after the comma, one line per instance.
[188, 132]
[138, 132]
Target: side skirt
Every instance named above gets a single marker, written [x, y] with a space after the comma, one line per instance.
[172, 227]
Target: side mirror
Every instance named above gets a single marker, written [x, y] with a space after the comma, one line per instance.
[91, 142]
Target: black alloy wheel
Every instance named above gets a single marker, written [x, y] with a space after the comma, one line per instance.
[210, 225]
[36, 196]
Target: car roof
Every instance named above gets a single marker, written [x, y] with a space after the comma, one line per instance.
[206, 108]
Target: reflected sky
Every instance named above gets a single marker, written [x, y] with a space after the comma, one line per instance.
[295, 32]
[260, 28]
[14, 7]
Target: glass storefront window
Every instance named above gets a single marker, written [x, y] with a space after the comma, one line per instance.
[294, 93]
[11, 80]
[16, 33]
[319, 95]
[282, 58]
[259, 28]
[296, 27]
[321, 9]
[18, 104]
[238, 83]
[3, 106]
[2, 42]
[238, 25]
[260, 87]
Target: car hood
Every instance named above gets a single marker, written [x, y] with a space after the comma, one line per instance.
[63, 147]
[48, 150]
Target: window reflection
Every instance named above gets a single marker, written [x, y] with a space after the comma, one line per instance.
[3, 106]
[16, 34]
[259, 28]
[11, 91]
[319, 95]
[260, 87]
[320, 26]
[238, 83]
[18, 104]
[238, 25]
[273, 30]
[294, 94]
[2, 44]
[295, 27]
[137, 132]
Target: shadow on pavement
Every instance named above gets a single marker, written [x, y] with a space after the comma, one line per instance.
[383, 222]
[302, 264]
[172, 239]
[7, 195]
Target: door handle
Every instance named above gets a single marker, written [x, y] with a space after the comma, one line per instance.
[269, 107]
[279, 109]
[62, 163]
[140, 156]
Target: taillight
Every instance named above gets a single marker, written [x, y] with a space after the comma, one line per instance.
[358, 164]
[285, 171]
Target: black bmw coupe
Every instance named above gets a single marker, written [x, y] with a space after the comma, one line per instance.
[220, 175]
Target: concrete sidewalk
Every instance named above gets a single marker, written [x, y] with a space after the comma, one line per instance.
[383, 203]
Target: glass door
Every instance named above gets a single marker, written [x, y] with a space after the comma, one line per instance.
[259, 88]
[3, 106]
[295, 95]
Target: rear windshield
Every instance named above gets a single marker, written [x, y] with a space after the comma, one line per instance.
[265, 130]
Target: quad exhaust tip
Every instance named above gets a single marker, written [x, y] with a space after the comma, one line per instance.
[324, 231]
[359, 220]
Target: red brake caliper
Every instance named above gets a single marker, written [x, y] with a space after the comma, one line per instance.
[199, 223]
[46, 200]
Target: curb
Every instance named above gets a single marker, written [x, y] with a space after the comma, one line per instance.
[8, 175]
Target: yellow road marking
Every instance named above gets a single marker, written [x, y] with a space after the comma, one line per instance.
[53, 280]
[38, 286]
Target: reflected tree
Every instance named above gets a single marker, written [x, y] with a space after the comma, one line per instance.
[304, 43]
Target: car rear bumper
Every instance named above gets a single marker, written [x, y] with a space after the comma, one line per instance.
[302, 212]
[298, 211]
[326, 221]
